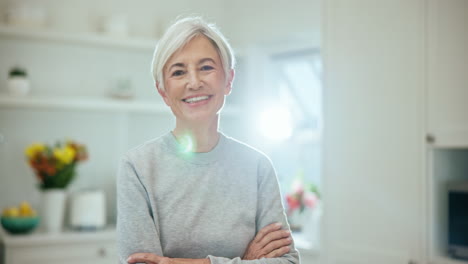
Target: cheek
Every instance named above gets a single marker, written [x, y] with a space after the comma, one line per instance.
[218, 80]
[173, 86]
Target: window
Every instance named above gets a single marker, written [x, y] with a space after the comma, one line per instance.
[293, 103]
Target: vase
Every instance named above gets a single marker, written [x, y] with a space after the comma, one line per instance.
[296, 220]
[313, 227]
[18, 86]
[53, 210]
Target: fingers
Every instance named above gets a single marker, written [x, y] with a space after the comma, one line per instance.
[274, 235]
[278, 252]
[148, 258]
[271, 241]
[277, 244]
[266, 230]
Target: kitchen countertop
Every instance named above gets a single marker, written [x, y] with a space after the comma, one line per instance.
[38, 237]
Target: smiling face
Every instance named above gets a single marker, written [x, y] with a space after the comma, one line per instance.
[195, 82]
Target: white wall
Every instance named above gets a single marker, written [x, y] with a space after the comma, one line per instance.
[274, 22]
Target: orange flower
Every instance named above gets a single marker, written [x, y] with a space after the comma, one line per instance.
[54, 165]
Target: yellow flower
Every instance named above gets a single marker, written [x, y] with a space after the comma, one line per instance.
[33, 149]
[65, 154]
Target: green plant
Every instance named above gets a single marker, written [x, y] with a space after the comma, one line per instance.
[55, 165]
[18, 72]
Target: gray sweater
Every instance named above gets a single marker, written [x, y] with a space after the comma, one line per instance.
[196, 205]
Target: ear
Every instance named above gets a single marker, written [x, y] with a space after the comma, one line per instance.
[230, 79]
[163, 94]
[157, 85]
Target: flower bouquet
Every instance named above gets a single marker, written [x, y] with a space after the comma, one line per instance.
[55, 165]
[302, 197]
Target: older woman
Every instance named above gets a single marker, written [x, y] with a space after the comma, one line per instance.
[194, 195]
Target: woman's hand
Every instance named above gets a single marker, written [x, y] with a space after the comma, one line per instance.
[270, 242]
[148, 258]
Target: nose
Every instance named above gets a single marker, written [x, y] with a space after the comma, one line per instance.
[194, 81]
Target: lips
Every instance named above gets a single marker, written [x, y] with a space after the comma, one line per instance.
[196, 99]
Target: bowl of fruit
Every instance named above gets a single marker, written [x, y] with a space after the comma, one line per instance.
[19, 220]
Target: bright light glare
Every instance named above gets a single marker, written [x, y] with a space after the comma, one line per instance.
[275, 123]
[186, 142]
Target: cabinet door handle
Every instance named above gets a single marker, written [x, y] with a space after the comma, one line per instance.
[102, 252]
[430, 138]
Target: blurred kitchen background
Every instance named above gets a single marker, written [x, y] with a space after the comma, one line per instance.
[88, 68]
[361, 102]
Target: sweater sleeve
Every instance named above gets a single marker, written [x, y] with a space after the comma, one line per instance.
[269, 210]
[137, 229]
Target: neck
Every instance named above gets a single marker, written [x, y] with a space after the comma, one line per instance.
[201, 137]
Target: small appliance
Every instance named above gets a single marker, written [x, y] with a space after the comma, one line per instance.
[88, 210]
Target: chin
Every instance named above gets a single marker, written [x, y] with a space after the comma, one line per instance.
[201, 118]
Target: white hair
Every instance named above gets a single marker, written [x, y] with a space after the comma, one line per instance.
[179, 34]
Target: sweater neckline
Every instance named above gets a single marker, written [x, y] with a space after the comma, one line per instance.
[194, 157]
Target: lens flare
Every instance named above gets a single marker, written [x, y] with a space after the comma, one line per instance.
[275, 123]
[187, 144]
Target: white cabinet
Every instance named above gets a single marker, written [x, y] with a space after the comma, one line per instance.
[374, 132]
[447, 116]
[68, 247]
[396, 71]
[448, 73]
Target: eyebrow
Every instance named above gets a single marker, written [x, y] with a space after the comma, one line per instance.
[205, 60]
[180, 64]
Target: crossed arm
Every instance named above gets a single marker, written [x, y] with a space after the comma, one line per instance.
[270, 242]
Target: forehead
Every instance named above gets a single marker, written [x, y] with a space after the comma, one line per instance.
[199, 47]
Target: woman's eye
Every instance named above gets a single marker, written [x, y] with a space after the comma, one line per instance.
[177, 73]
[207, 68]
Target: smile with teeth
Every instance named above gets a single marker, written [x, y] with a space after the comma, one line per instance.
[196, 99]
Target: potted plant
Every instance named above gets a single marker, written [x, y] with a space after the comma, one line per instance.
[18, 83]
[55, 168]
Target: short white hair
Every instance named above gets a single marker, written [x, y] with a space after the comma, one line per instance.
[179, 34]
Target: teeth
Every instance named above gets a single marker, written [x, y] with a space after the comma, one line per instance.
[196, 99]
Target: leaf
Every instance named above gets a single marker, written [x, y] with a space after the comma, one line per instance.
[61, 179]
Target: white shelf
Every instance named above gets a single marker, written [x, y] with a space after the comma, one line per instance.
[91, 104]
[93, 39]
[82, 103]
[68, 236]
